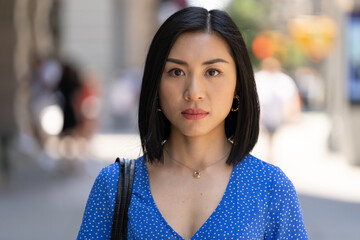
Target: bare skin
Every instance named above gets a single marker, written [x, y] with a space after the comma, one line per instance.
[185, 202]
[198, 82]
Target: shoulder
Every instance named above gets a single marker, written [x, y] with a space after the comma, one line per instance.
[279, 197]
[257, 166]
[286, 81]
[111, 172]
[260, 77]
[259, 74]
[260, 171]
[272, 178]
[275, 185]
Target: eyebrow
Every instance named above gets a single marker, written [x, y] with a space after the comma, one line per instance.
[177, 61]
[212, 61]
[216, 60]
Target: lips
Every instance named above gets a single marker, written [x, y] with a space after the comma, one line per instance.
[194, 113]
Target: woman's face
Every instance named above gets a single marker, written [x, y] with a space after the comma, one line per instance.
[198, 84]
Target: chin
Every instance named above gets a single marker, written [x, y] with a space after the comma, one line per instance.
[197, 132]
[192, 132]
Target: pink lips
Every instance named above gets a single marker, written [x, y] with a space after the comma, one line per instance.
[194, 113]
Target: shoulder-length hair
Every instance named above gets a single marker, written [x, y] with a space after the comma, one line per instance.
[241, 127]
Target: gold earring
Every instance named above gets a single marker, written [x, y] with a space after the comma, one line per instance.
[238, 106]
[159, 110]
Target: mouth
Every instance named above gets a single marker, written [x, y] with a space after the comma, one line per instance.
[194, 113]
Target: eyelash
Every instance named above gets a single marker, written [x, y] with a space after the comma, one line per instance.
[212, 69]
[171, 72]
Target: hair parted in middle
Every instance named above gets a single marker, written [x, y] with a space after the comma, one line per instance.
[242, 126]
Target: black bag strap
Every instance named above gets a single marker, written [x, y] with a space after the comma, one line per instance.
[123, 197]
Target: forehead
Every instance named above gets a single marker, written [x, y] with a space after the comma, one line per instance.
[200, 44]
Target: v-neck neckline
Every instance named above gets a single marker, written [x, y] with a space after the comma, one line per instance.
[152, 200]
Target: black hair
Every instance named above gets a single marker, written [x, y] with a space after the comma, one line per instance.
[242, 126]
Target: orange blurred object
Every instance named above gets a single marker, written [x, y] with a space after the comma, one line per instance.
[314, 34]
[262, 47]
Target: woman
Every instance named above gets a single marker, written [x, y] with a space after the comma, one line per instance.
[198, 121]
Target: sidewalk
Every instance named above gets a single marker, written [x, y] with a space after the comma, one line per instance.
[301, 152]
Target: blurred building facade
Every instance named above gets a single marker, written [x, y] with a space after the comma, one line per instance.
[112, 36]
[333, 45]
[344, 112]
[107, 36]
[332, 52]
[7, 82]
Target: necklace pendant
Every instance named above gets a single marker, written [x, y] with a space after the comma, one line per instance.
[196, 174]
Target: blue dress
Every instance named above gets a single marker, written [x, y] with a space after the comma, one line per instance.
[259, 202]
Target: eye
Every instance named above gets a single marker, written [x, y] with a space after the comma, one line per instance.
[212, 72]
[176, 72]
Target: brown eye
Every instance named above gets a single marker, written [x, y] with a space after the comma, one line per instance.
[176, 72]
[212, 72]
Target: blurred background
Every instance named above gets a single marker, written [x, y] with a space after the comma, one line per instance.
[70, 79]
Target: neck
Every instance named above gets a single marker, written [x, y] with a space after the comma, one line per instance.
[197, 152]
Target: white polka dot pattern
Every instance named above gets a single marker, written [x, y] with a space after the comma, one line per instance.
[259, 202]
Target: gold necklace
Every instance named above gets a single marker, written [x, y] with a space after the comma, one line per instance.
[196, 173]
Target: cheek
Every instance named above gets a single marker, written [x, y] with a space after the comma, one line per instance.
[227, 85]
[227, 101]
[167, 102]
[226, 94]
[166, 94]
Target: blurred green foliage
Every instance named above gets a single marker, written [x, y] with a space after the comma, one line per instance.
[253, 17]
[250, 17]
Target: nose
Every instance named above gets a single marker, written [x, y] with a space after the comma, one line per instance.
[195, 89]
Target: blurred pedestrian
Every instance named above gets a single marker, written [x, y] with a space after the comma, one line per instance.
[70, 86]
[279, 99]
[198, 121]
[87, 104]
[43, 82]
[311, 87]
